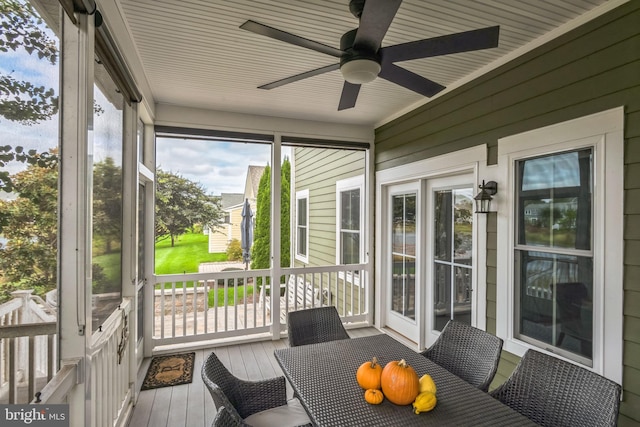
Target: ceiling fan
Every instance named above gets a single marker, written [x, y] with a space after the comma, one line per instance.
[362, 58]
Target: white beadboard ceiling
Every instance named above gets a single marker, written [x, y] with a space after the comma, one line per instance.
[193, 53]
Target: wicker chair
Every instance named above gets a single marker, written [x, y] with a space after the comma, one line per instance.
[552, 392]
[468, 352]
[315, 325]
[256, 403]
[225, 418]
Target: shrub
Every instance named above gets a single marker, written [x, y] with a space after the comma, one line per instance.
[234, 250]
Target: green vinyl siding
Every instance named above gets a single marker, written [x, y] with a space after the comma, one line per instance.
[593, 68]
[318, 170]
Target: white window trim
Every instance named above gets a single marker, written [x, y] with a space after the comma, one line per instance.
[302, 195]
[471, 160]
[604, 132]
[356, 182]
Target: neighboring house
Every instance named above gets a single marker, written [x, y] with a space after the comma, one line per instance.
[328, 215]
[232, 203]
[219, 237]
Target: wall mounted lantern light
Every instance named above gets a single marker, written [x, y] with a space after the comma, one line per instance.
[483, 199]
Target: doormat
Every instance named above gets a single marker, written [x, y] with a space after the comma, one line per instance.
[167, 371]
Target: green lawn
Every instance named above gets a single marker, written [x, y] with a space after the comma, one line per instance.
[189, 251]
[241, 290]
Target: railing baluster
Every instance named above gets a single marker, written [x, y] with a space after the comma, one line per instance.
[206, 306]
[162, 316]
[32, 366]
[12, 369]
[173, 309]
[195, 308]
[184, 308]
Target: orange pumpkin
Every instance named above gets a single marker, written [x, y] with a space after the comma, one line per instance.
[368, 375]
[373, 396]
[400, 383]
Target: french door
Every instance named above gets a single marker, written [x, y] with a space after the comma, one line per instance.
[449, 252]
[403, 294]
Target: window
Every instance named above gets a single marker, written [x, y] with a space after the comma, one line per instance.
[553, 252]
[349, 221]
[302, 225]
[560, 242]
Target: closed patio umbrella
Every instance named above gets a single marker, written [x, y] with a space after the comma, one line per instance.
[246, 230]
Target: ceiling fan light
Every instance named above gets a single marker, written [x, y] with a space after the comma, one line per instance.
[359, 71]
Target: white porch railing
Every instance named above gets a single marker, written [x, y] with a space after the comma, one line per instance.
[193, 307]
[27, 347]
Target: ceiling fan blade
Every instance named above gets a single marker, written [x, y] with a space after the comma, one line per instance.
[349, 96]
[483, 38]
[374, 23]
[274, 33]
[409, 80]
[300, 76]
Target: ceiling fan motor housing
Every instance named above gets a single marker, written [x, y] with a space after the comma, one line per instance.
[358, 65]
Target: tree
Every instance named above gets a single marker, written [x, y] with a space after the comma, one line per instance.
[107, 203]
[285, 213]
[29, 223]
[28, 220]
[22, 101]
[261, 250]
[182, 204]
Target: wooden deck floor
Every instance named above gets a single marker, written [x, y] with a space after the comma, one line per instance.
[190, 405]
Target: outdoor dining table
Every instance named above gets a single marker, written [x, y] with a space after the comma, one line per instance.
[323, 377]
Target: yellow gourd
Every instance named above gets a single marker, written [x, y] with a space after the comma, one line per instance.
[425, 402]
[373, 396]
[427, 384]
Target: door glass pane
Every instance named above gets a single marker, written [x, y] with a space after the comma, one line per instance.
[442, 226]
[453, 255]
[403, 257]
[462, 295]
[441, 295]
[463, 226]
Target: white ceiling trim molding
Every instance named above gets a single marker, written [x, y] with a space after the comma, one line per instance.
[569, 26]
[173, 115]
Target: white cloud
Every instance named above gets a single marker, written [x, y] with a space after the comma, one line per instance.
[221, 167]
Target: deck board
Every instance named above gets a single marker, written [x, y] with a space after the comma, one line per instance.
[190, 405]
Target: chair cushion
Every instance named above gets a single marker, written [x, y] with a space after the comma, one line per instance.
[290, 415]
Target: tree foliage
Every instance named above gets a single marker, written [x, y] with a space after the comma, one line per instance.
[29, 224]
[21, 28]
[182, 204]
[107, 203]
[261, 250]
[22, 101]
